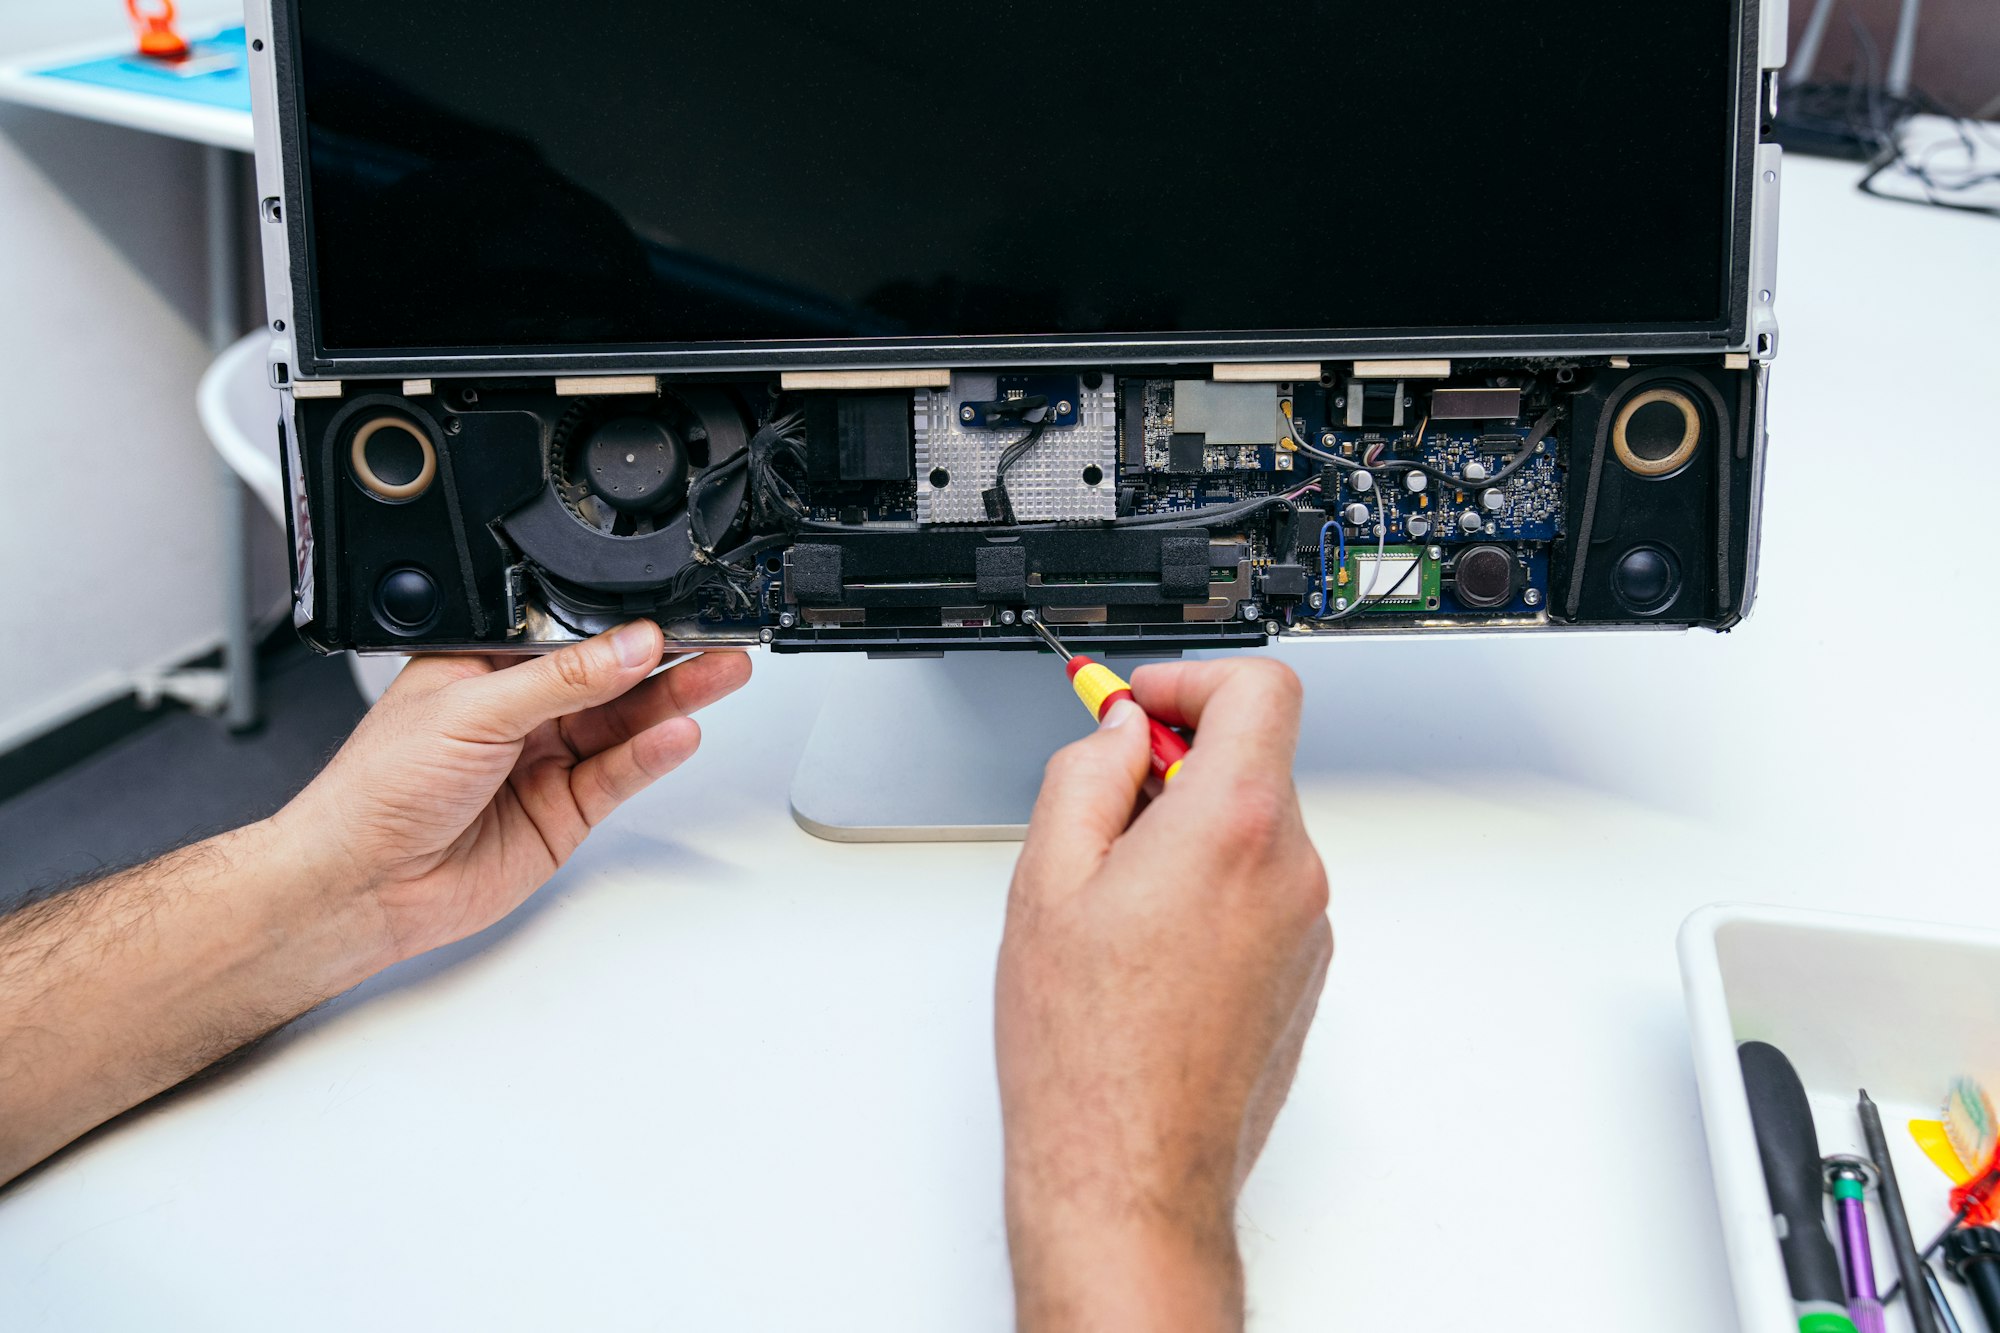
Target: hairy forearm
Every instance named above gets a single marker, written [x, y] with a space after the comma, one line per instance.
[1102, 1242]
[1077, 1270]
[117, 990]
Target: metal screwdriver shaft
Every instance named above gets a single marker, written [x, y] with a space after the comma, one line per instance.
[1908, 1262]
[1100, 687]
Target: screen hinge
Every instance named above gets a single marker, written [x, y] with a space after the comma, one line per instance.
[1773, 30]
[1763, 322]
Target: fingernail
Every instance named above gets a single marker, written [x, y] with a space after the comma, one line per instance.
[1122, 712]
[634, 644]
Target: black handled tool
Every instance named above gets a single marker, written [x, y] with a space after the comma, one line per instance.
[1908, 1262]
[1972, 1255]
[1788, 1146]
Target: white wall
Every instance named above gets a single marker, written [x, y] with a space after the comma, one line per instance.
[110, 562]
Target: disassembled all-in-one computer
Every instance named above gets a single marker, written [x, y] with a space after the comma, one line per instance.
[881, 327]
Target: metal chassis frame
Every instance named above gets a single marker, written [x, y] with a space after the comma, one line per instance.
[1751, 326]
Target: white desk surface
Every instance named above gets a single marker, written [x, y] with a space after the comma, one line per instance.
[723, 1075]
[22, 80]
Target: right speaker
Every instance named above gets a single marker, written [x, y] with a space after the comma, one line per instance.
[1659, 468]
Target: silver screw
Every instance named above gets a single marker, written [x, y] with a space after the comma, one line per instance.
[1329, 440]
[1435, 552]
[966, 413]
[765, 636]
[787, 620]
[1064, 408]
[1029, 617]
[1533, 597]
[1271, 627]
[1248, 610]
[1008, 617]
[1316, 601]
[1340, 603]
[1541, 446]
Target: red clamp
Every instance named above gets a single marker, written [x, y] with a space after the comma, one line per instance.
[157, 36]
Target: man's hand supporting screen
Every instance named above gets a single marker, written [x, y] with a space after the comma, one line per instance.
[459, 794]
[1160, 965]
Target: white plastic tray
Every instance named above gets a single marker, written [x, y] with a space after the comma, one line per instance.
[1896, 1007]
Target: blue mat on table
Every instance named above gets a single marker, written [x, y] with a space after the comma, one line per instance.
[216, 74]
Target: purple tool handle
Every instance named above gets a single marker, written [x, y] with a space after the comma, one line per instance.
[1860, 1263]
[1864, 1305]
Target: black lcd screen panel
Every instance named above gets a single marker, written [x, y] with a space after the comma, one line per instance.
[492, 174]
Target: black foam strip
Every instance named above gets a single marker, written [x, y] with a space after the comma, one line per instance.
[1001, 573]
[1184, 569]
[815, 574]
[454, 509]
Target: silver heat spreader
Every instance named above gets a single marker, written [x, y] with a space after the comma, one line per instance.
[1069, 476]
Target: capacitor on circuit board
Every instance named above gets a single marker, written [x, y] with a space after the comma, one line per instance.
[1415, 480]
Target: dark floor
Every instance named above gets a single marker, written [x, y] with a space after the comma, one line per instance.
[178, 779]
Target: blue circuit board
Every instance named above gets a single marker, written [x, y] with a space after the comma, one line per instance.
[1532, 499]
[1532, 595]
[1532, 508]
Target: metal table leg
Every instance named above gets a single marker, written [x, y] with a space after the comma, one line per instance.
[239, 654]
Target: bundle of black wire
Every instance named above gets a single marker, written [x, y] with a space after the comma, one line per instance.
[774, 460]
[1862, 119]
[1035, 411]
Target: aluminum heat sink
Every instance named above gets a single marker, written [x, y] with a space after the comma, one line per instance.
[1053, 482]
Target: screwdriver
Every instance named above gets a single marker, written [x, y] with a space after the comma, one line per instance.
[1100, 687]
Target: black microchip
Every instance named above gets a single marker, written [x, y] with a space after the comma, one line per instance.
[1185, 452]
[1285, 582]
[1302, 532]
[1132, 435]
[874, 433]
[1475, 404]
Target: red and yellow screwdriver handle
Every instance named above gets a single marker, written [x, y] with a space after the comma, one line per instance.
[1100, 687]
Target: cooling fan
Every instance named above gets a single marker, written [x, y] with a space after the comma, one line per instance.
[613, 517]
[625, 477]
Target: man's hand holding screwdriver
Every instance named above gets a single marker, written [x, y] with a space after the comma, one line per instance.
[1157, 977]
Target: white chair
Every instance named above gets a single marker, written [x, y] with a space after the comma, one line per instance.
[240, 411]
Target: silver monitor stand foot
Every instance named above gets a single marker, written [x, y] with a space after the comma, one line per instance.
[944, 749]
